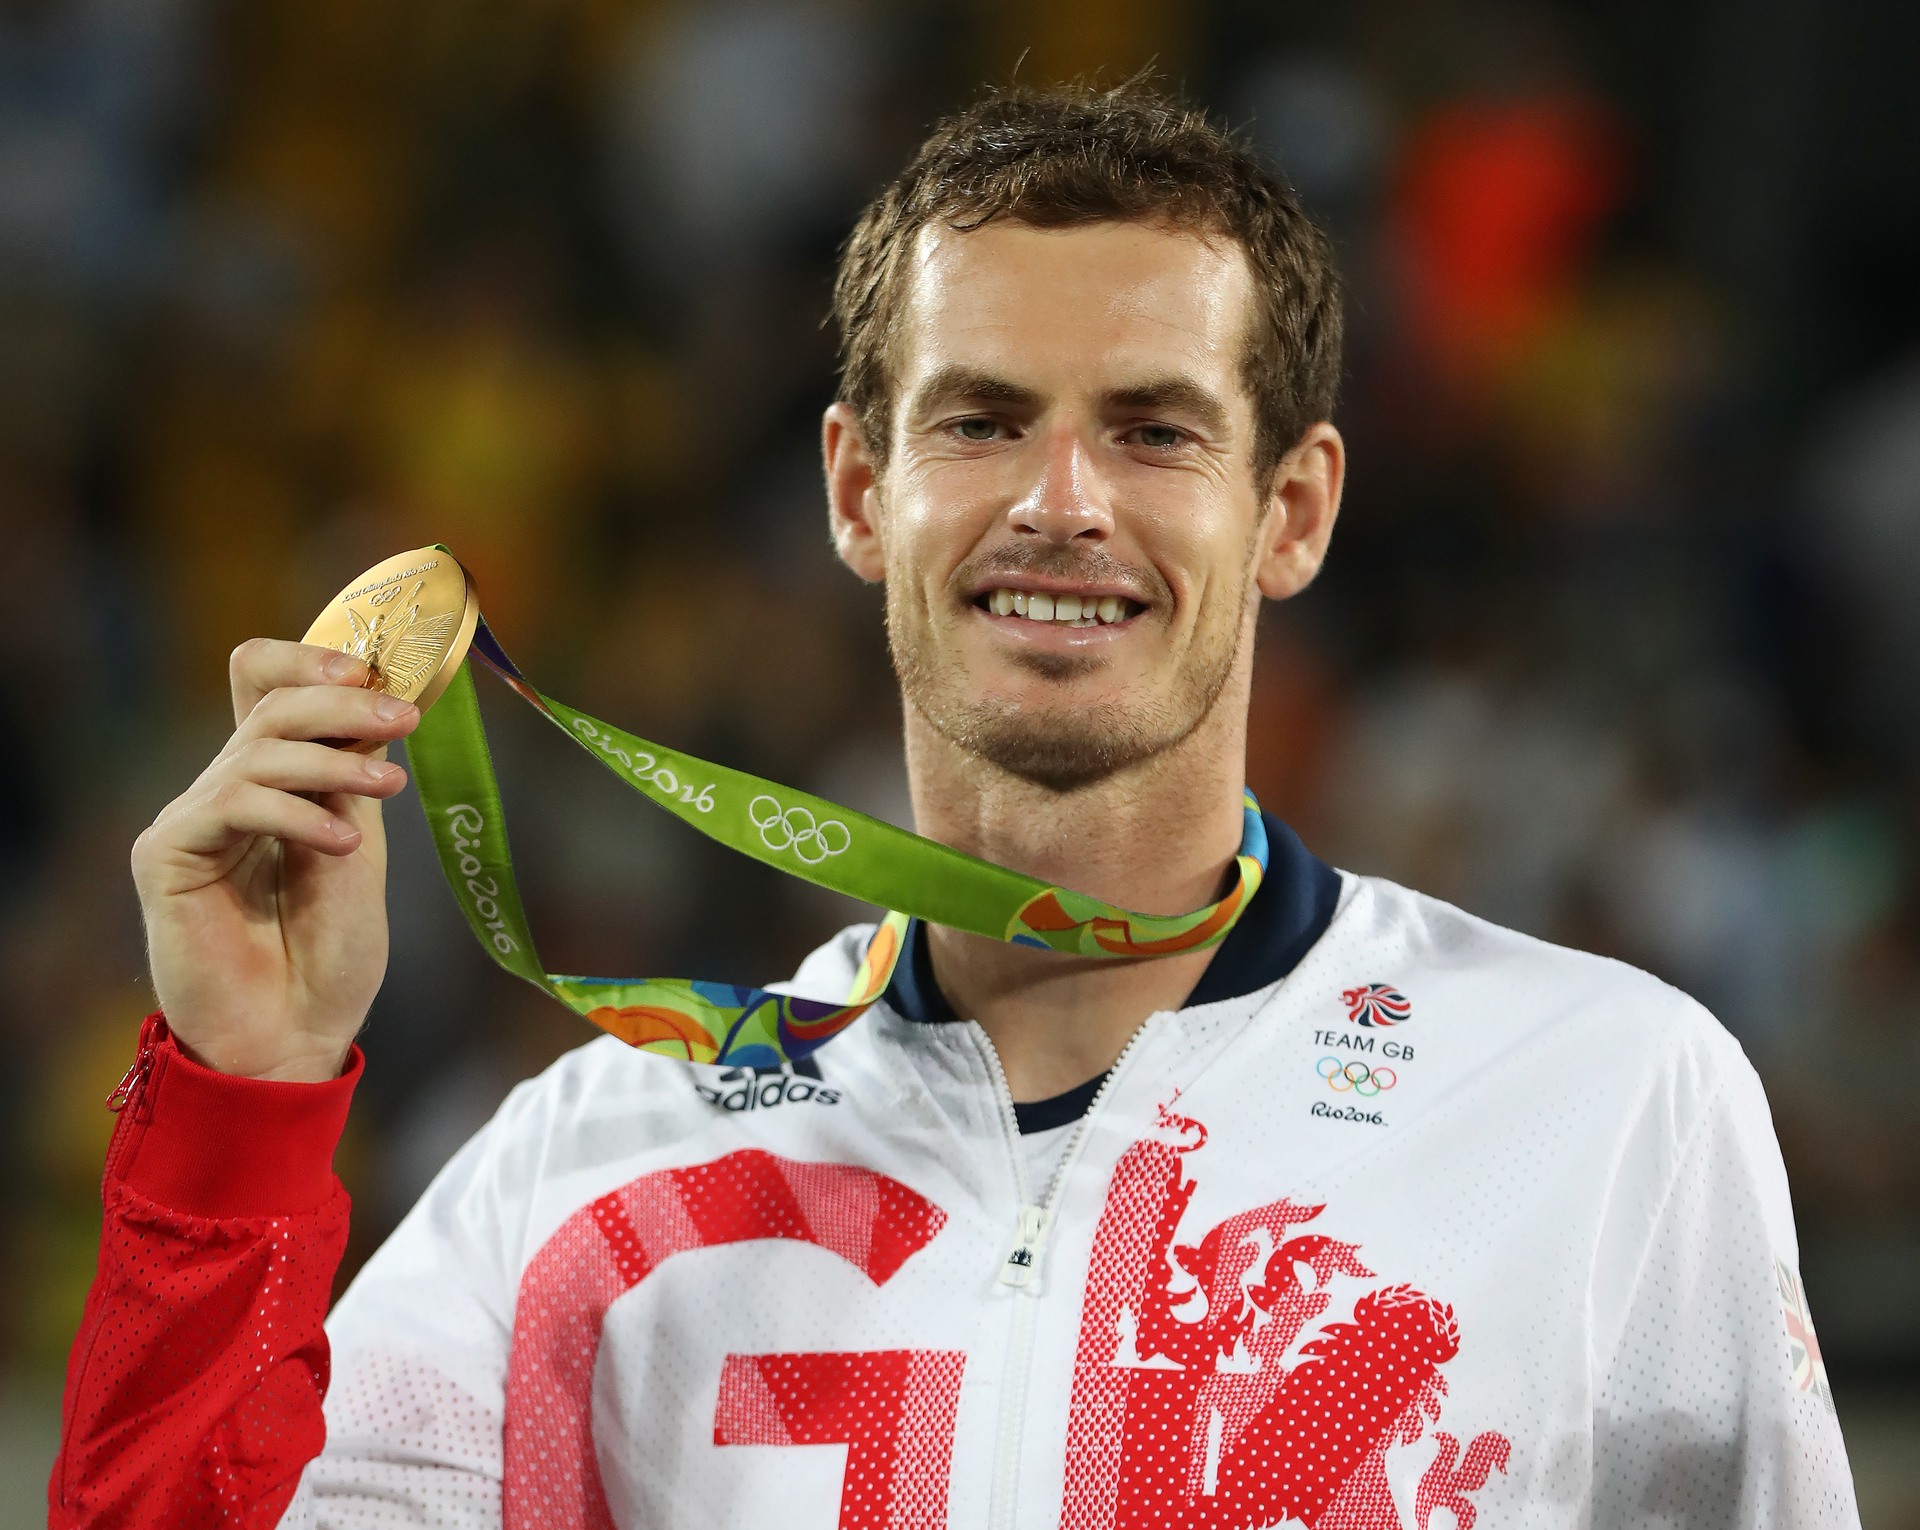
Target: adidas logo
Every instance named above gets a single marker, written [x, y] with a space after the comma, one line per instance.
[761, 1089]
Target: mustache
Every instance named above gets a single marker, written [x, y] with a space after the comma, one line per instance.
[1053, 561]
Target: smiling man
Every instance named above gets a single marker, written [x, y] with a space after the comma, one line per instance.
[1088, 463]
[1370, 1210]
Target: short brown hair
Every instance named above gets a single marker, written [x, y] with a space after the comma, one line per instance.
[1056, 158]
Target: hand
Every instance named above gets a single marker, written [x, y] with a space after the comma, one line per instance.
[263, 886]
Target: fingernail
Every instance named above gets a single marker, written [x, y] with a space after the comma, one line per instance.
[340, 666]
[380, 770]
[341, 830]
[391, 708]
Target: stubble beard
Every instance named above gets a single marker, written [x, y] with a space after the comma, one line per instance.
[1060, 746]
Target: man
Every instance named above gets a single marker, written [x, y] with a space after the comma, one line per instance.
[1371, 1211]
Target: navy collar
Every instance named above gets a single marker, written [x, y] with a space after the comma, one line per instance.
[1288, 914]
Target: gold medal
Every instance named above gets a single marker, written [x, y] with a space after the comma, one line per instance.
[409, 619]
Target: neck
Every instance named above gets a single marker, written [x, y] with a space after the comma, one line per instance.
[1159, 838]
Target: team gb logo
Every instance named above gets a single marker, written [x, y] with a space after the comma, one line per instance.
[1375, 1004]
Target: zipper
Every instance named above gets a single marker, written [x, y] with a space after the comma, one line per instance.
[1035, 1221]
[1018, 1269]
[132, 1088]
[133, 1082]
[1021, 1268]
[129, 1098]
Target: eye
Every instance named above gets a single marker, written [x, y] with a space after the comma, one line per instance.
[978, 428]
[1157, 437]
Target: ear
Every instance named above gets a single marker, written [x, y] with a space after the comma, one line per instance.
[853, 494]
[1301, 508]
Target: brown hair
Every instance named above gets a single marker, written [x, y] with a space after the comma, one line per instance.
[1056, 158]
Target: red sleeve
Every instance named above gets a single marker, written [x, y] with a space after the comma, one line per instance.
[194, 1386]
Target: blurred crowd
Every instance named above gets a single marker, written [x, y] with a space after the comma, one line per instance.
[1618, 643]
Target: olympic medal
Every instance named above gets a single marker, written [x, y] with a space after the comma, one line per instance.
[409, 619]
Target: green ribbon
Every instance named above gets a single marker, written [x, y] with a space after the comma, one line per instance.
[792, 831]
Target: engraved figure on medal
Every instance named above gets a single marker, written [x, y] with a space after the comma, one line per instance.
[402, 649]
[409, 620]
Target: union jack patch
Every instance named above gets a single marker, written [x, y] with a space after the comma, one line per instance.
[1375, 1004]
[1809, 1371]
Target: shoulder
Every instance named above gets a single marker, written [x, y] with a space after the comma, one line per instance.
[1609, 1024]
[598, 1117]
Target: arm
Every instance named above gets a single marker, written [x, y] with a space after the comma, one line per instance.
[194, 1387]
[1703, 1418]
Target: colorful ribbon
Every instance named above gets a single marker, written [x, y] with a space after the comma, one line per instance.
[802, 835]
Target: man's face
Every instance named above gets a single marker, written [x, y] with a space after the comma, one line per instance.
[1070, 434]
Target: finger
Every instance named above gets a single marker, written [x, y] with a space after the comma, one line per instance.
[291, 765]
[326, 712]
[362, 812]
[262, 665]
[214, 822]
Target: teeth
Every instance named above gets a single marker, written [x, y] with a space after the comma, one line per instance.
[1068, 610]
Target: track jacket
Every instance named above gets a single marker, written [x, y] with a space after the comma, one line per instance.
[1401, 1213]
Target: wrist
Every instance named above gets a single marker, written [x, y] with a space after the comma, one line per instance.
[213, 1144]
[316, 1067]
[299, 1060]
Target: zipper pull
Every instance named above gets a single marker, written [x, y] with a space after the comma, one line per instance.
[134, 1081]
[1023, 1259]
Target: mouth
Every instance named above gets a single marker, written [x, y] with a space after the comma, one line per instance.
[1059, 608]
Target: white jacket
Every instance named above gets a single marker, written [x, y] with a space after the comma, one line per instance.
[1529, 1259]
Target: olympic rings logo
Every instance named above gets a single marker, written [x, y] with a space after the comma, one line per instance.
[796, 829]
[1343, 1075]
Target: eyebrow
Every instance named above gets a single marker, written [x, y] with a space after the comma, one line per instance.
[1173, 395]
[956, 383]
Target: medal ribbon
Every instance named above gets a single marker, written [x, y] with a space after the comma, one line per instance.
[802, 835]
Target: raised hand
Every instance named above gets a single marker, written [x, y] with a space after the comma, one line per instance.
[263, 885]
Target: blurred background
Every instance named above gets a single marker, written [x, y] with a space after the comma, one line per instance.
[1619, 642]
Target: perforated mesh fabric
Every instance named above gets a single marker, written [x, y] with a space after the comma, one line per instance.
[194, 1395]
[1684, 1431]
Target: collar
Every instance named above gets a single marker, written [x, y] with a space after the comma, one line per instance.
[1290, 911]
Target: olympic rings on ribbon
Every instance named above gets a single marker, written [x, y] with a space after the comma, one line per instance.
[796, 829]
[1357, 1076]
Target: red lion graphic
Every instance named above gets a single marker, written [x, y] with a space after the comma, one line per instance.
[1188, 1411]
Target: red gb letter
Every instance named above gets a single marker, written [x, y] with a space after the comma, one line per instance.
[892, 1408]
[611, 1245]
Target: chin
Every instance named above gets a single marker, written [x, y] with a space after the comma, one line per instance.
[1061, 765]
[1059, 744]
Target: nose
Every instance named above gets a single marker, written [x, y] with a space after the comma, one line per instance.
[1069, 501]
